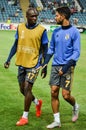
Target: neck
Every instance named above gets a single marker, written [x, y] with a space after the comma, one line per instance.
[66, 22]
[31, 26]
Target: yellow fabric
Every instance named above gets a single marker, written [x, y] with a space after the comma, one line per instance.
[29, 43]
[8, 21]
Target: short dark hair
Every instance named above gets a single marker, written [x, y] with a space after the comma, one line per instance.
[64, 10]
[32, 8]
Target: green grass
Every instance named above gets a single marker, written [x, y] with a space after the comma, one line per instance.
[11, 100]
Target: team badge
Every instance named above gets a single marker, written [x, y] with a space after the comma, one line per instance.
[67, 37]
[22, 34]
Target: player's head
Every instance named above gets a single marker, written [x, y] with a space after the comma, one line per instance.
[31, 15]
[62, 13]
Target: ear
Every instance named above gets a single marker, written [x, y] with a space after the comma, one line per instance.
[26, 15]
[62, 16]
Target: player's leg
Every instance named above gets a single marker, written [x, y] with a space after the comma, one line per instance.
[31, 77]
[37, 102]
[66, 92]
[21, 79]
[29, 98]
[26, 79]
[21, 85]
[54, 79]
[71, 100]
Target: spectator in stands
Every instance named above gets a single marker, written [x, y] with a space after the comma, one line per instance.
[30, 46]
[10, 2]
[2, 9]
[0, 6]
[15, 2]
[16, 14]
[75, 21]
[65, 49]
[8, 20]
[32, 5]
[81, 10]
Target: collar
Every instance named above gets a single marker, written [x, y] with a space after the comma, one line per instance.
[31, 27]
[66, 27]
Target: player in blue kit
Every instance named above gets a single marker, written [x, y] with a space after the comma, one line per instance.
[65, 49]
[30, 46]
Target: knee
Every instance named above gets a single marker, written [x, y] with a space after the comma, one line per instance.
[22, 91]
[21, 88]
[54, 94]
[26, 90]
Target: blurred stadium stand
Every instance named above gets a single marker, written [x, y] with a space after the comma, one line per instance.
[16, 9]
[10, 9]
[47, 12]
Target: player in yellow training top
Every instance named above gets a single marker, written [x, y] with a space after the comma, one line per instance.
[30, 46]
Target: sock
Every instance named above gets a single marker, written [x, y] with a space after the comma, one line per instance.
[75, 106]
[57, 117]
[25, 114]
[36, 101]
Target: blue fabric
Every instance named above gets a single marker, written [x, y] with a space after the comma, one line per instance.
[68, 65]
[47, 59]
[64, 45]
[44, 38]
[13, 51]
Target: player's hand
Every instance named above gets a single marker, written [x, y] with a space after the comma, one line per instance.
[43, 65]
[44, 71]
[60, 72]
[6, 65]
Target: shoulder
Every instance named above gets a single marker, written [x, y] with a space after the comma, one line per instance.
[74, 28]
[41, 26]
[75, 32]
[58, 28]
[21, 24]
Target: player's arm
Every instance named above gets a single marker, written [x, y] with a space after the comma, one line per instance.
[11, 54]
[75, 56]
[44, 41]
[49, 53]
[12, 51]
[67, 66]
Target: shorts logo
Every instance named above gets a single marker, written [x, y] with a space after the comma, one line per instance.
[31, 76]
[67, 83]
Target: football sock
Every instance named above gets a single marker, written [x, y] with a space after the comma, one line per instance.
[36, 101]
[25, 114]
[75, 105]
[57, 117]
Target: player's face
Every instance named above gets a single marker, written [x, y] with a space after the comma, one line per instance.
[31, 17]
[59, 18]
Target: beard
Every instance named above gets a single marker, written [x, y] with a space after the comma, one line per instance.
[60, 22]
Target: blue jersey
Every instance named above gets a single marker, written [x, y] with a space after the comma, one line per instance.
[64, 45]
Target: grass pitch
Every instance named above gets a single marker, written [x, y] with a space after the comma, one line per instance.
[11, 100]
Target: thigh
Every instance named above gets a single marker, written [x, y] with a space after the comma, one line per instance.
[54, 77]
[31, 75]
[67, 79]
[21, 75]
